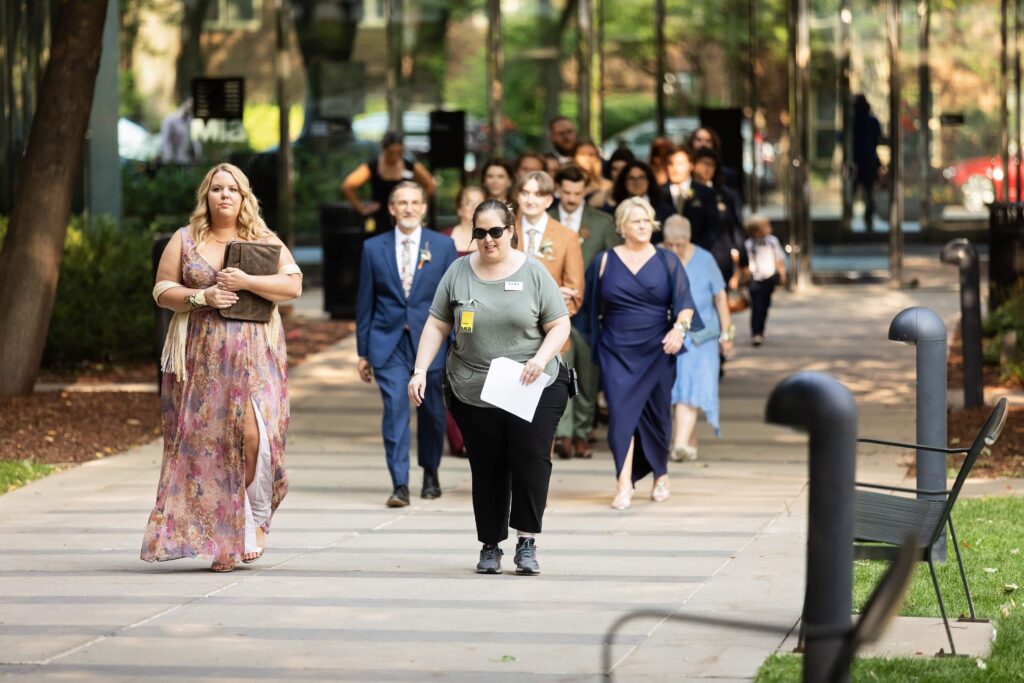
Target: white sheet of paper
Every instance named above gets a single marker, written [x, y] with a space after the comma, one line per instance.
[502, 388]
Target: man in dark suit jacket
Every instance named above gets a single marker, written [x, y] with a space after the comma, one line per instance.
[399, 272]
[684, 196]
[596, 230]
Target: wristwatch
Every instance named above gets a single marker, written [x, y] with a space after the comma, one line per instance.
[683, 327]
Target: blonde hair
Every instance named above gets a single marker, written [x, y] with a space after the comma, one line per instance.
[250, 224]
[545, 184]
[627, 205]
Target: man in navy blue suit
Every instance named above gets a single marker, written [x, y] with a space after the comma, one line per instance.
[398, 274]
[682, 195]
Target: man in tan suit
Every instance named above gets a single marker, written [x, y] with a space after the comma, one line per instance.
[550, 242]
[547, 240]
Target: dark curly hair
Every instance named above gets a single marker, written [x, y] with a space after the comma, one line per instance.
[619, 192]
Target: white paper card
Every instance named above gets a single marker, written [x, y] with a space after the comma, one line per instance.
[502, 388]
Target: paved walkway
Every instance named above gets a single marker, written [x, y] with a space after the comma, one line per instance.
[351, 590]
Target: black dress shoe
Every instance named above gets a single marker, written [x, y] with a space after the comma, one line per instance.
[431, 486]
[399, 497]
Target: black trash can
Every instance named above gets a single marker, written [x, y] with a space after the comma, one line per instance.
[342, 230]
[1005, 251]
[163, 315]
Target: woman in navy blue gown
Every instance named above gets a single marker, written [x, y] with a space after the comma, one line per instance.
[640, 311]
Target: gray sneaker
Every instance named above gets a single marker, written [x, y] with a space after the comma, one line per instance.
[490, 560]
[526, 557]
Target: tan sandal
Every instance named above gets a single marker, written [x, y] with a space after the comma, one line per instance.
[221, 567]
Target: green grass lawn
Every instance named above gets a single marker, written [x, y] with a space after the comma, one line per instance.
[991, 534]
[16, 473]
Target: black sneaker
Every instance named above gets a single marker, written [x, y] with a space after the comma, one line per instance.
[490, 560]
[526, 557]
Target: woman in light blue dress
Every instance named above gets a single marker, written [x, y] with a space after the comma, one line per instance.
[696, 385]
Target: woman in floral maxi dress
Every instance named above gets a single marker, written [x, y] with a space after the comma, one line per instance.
[224, 398]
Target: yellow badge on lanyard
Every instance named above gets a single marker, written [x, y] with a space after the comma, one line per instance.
[466, 321]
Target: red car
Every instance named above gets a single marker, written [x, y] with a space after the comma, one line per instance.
[980, 180]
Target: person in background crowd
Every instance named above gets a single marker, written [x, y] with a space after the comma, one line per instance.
[705, 138]
[224, 393]
[729, 252]
[617, 161]
[634, 180]
[547, 240]
[466, 201]
[661, 149]
[767, 265]
[562, 136]
[176, 143]
[695, 201]
[528, 162]
[398, 274]
[696, 386]
[497, 178]
[587, 157]
[596, 231]
[630, 290]
[510, 458]
[383, 173]
[867, 133]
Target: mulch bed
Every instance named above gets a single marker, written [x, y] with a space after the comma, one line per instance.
[74, 427]
[1007, 456]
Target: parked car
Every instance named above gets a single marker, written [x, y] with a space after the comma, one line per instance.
[980, 180]
[135, 142]
[416, 132]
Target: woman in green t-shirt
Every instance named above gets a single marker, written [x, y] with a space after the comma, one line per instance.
[505, 304]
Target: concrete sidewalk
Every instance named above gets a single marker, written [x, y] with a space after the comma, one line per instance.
[350, 590]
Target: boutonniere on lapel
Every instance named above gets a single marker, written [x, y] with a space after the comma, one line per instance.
[688, 195]
[547, 250]
[424, 256]
[584, 233]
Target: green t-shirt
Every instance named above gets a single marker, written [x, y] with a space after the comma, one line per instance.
[507, 320]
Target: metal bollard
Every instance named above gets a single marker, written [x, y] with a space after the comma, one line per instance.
[961, 253]
[825, 409]
[922, 327]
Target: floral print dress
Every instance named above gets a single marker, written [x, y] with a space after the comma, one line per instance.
[200, 508]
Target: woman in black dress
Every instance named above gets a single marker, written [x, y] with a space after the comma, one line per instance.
[383, 172]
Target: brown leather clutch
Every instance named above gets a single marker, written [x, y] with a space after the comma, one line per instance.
[252, 258]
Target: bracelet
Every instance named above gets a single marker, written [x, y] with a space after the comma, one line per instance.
[683, 327]
[728, 335]
[417, 371]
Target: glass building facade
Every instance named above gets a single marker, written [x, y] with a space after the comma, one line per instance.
[623, 70]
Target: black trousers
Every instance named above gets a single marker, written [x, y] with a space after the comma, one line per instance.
[510, 459]
[760, 300]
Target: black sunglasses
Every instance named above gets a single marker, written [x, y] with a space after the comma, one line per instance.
[495, 233]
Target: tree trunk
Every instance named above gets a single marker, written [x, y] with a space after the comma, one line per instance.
[190, 58]
[31, 253]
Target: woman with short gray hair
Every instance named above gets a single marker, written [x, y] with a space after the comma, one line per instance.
[696, 386]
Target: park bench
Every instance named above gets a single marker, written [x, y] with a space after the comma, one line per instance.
[883, 521]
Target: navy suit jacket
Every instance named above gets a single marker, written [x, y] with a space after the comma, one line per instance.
[701, 210]
[382, 311]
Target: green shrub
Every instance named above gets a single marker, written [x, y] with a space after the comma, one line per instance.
[104, 308]
[1006, 320]
[159, 198]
